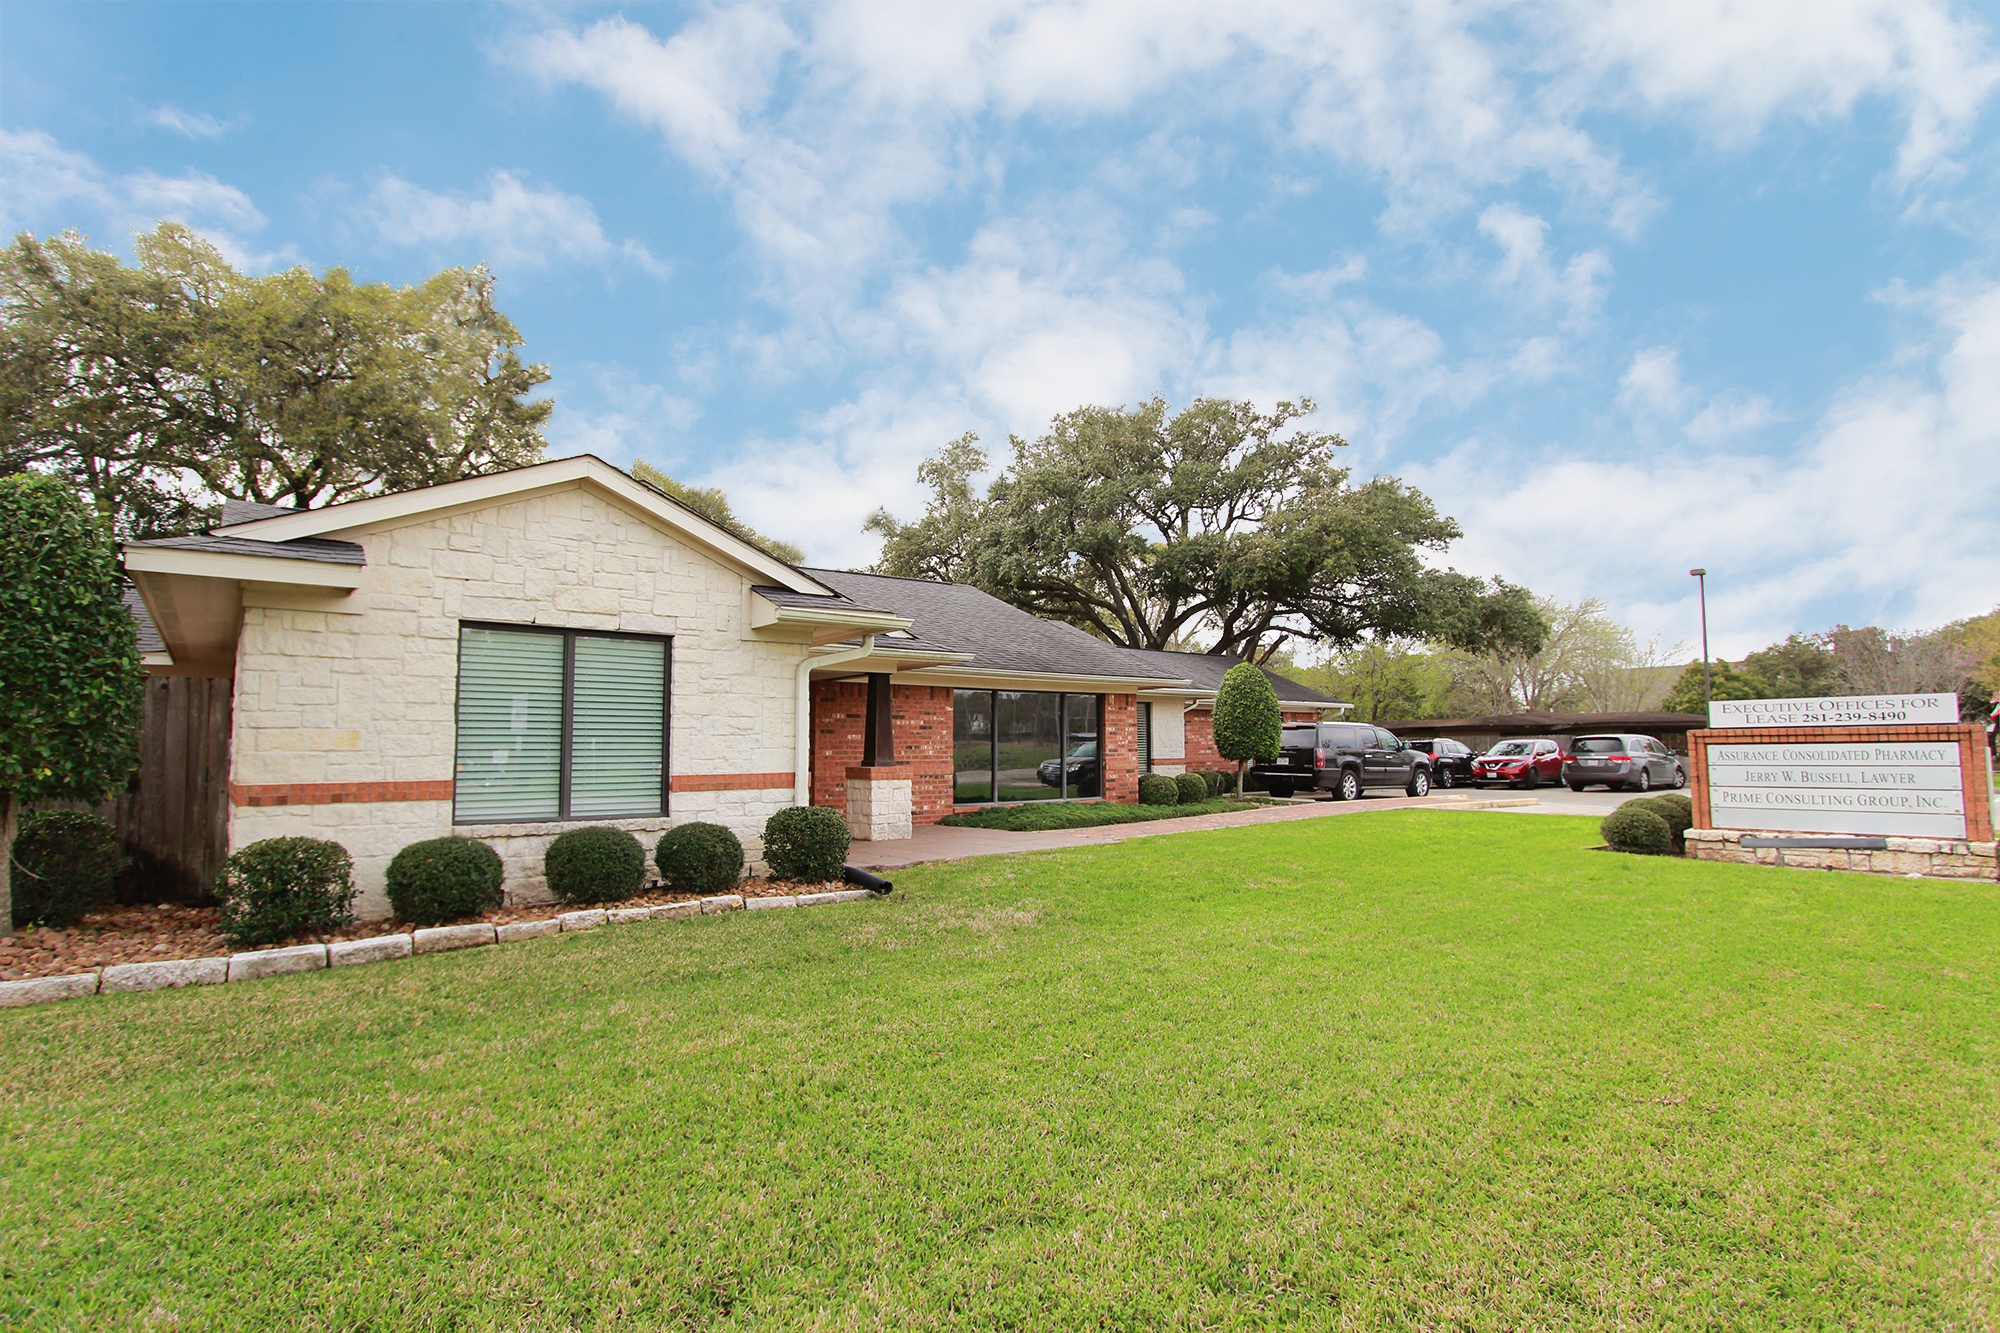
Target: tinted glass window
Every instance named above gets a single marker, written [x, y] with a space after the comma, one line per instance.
[1350, 737]
[1513, 748]
[1384, 740]
[1597, 745]
[1300, 738]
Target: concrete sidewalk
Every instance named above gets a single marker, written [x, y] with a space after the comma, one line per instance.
[937, 842]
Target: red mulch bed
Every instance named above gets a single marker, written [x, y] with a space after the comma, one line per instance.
[157, 934]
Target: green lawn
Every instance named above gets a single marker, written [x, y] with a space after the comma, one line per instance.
[1405, 1070]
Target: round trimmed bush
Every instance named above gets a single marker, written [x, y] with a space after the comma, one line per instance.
[281, 887]
[700, 858]
[1158, 789]
[1193, 788]
[1677, 811]
[1213, 781]
[64, 865]
[807, 843]
[1628, 829]
[594, 865]
[441, 879]
[1225, 782]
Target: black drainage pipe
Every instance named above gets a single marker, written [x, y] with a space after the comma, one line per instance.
[873, 883]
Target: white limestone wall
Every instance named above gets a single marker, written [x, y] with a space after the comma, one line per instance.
[368, 694]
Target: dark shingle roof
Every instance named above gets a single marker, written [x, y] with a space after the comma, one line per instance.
[1207, 669]
[323, 549]
[999, 637]
[813, 601]
[249, 511]
[142, 619]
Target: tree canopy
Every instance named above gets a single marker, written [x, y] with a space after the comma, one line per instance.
[1247, 722]
[161, 388]
[1221, 524]
[712, 503]
[70, 675]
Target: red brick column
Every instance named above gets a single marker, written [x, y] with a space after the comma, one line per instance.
[1118, 748]
[1202, 756]
[922, 730]
[1975, 778]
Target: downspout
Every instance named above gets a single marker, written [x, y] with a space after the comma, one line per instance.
[802, 752]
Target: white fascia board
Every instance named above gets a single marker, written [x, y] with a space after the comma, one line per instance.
[497, 486]
[248, 568]
[764, 613]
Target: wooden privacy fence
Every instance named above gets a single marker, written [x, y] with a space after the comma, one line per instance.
[173, 821]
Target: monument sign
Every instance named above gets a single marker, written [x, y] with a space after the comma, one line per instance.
[1871, 766]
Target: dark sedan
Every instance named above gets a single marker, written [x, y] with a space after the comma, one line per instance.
[1451, 762]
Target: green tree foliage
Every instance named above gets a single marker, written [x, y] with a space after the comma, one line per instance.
[1248, 723]
[712, 504]
[1800, 666]
[70, 677]
[1221, 523]
[1724, 683]
[159, 388]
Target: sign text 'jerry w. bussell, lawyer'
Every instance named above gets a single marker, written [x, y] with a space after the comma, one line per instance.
[1908, 790]
[1865, 710]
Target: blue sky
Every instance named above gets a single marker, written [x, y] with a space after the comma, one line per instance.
[1626, 287]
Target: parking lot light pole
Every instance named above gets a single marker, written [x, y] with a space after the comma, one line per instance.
[1701, 586]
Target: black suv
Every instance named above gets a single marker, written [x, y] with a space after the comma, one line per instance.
[1343, 758]
[1451, 762]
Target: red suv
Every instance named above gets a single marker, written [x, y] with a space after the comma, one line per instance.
[1519, 764]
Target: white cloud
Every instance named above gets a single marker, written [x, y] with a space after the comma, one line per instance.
[1525, 266]
[1888, 509]
[193, 124]
[617, 415]
[43, 184]
[512, 223]
[1730, 416]
[1651, 386]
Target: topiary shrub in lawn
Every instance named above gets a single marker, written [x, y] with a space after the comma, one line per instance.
[1225, 782]
[441, 879]
[1213, 781]
[594, 865]
[1247, 723]
[281, 887]
[807, 843]
[1193, 788]
[64, 863]
[700, 858]
[1158, 789]
[1675, 810]
[1628, 829]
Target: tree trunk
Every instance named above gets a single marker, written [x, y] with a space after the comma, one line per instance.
[9, 824]
[1242, 775]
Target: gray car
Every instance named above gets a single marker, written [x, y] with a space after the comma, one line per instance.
[1622, 763]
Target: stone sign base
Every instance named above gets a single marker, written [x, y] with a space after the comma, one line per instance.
[879, 805]
[1941, 858]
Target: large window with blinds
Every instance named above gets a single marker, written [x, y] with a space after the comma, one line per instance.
[560, 724]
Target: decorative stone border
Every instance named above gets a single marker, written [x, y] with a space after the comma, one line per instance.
[260, 963]
[1929, 858]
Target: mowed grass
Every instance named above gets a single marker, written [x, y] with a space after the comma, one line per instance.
[1391, 1070]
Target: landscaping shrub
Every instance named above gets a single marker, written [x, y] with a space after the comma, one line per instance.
[1675, 810]
[1630, 829]
[700, 858]
[1158, 789]
[807, 843]
[1193, 788]
[1214, 784]
[441, 879]
[1037, 816]
[281, 887]
[1225, 780]
[595, 865]
[64, 863]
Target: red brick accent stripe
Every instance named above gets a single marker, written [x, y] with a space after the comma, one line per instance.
[730, 781]
[335, 793]
[349, 793]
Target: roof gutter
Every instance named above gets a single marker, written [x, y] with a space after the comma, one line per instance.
[802, 740]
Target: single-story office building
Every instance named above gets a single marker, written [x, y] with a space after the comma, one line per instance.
[513, 654]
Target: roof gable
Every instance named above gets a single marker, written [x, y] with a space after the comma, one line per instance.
[290, 525]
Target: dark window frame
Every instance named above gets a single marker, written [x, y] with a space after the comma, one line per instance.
[566, 737]
[1062, 753]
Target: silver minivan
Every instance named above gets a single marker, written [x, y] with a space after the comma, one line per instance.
[1622, 763]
